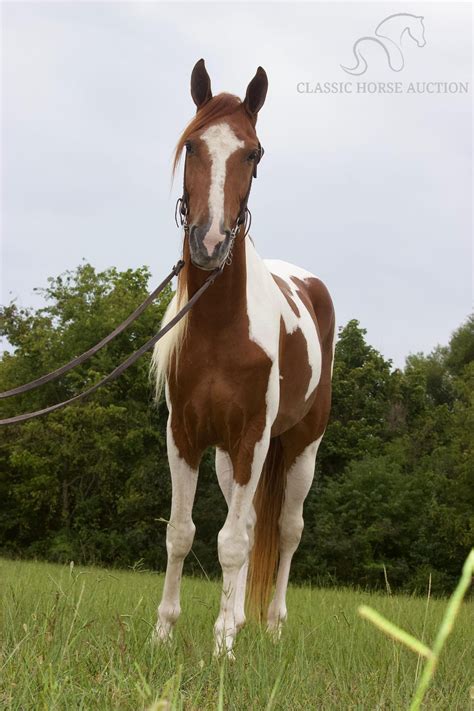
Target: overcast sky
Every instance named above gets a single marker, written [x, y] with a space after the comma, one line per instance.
[370, 192]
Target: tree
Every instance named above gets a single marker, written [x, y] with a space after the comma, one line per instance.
[408, 502]
[63, 476]
[395, 484]
[362, 390]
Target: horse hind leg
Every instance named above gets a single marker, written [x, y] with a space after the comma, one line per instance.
[298, 482]
[179, 538]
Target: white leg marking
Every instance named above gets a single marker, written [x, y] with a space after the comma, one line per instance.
[221, 142]
[234, 545]
[225, 476]
[239, 608]
[179, 537]
[299, 479]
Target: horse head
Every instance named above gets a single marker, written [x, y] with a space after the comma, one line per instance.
[222, 151]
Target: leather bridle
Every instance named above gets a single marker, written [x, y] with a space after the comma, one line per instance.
[243, 218]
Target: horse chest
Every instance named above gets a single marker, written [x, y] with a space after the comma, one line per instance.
[221, 388]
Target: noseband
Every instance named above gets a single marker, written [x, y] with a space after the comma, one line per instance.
[244, 217]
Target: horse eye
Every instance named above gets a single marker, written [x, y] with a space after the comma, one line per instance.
[188, 146]
[252, 155]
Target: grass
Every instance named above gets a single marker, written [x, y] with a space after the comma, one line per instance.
[444, 630]
[79, 639]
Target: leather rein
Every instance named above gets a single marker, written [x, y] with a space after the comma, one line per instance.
[182, 210]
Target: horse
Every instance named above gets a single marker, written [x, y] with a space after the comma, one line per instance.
[248, 371]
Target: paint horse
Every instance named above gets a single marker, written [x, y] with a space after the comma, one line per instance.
[248, 371]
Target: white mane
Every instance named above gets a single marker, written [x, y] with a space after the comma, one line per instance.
[171, 343]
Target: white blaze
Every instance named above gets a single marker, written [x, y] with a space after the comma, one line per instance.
[221, 142]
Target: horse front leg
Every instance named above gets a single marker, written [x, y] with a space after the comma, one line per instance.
[225, 477]
[179, 537]
[234, 543]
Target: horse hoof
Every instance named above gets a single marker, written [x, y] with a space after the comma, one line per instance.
[240, 624]
[274, 632]
[161, 636]
[220, 653]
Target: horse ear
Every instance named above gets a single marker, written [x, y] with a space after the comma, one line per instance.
[200, 84]
[256, 92]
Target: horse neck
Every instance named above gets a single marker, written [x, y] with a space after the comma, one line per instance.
[225, 301]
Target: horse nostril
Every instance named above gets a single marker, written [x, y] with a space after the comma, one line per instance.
[198, 233]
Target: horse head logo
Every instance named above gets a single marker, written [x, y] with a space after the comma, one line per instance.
[388, 34]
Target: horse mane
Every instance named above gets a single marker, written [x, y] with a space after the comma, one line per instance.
[171, 344]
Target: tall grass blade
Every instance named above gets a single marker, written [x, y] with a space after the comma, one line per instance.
[444, 631]
[393, 631]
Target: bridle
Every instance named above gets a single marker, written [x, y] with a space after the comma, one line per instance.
[244, 218]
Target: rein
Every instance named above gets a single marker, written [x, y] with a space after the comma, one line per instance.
[121, 368]
[244, 219]
[95, 349]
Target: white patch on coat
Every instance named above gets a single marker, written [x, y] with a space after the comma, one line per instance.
[287, 270]
[221, 143]
[263, 304]
[266, 304]
[304, 321]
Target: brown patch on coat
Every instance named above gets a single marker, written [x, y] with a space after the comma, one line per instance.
[286, 291]
[312, 425]
[295, 376]
[218, 392]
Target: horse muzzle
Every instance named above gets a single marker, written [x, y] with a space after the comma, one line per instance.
[208, 251]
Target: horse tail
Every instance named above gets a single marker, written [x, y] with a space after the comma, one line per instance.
[361, 65]
[268, 502]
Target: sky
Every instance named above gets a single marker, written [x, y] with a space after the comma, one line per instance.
[372, 192]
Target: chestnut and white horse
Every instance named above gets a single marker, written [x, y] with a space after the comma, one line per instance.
[248, 371]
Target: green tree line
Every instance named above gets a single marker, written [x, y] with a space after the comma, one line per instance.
[394, 489]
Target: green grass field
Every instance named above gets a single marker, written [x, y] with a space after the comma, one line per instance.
[80, 640]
